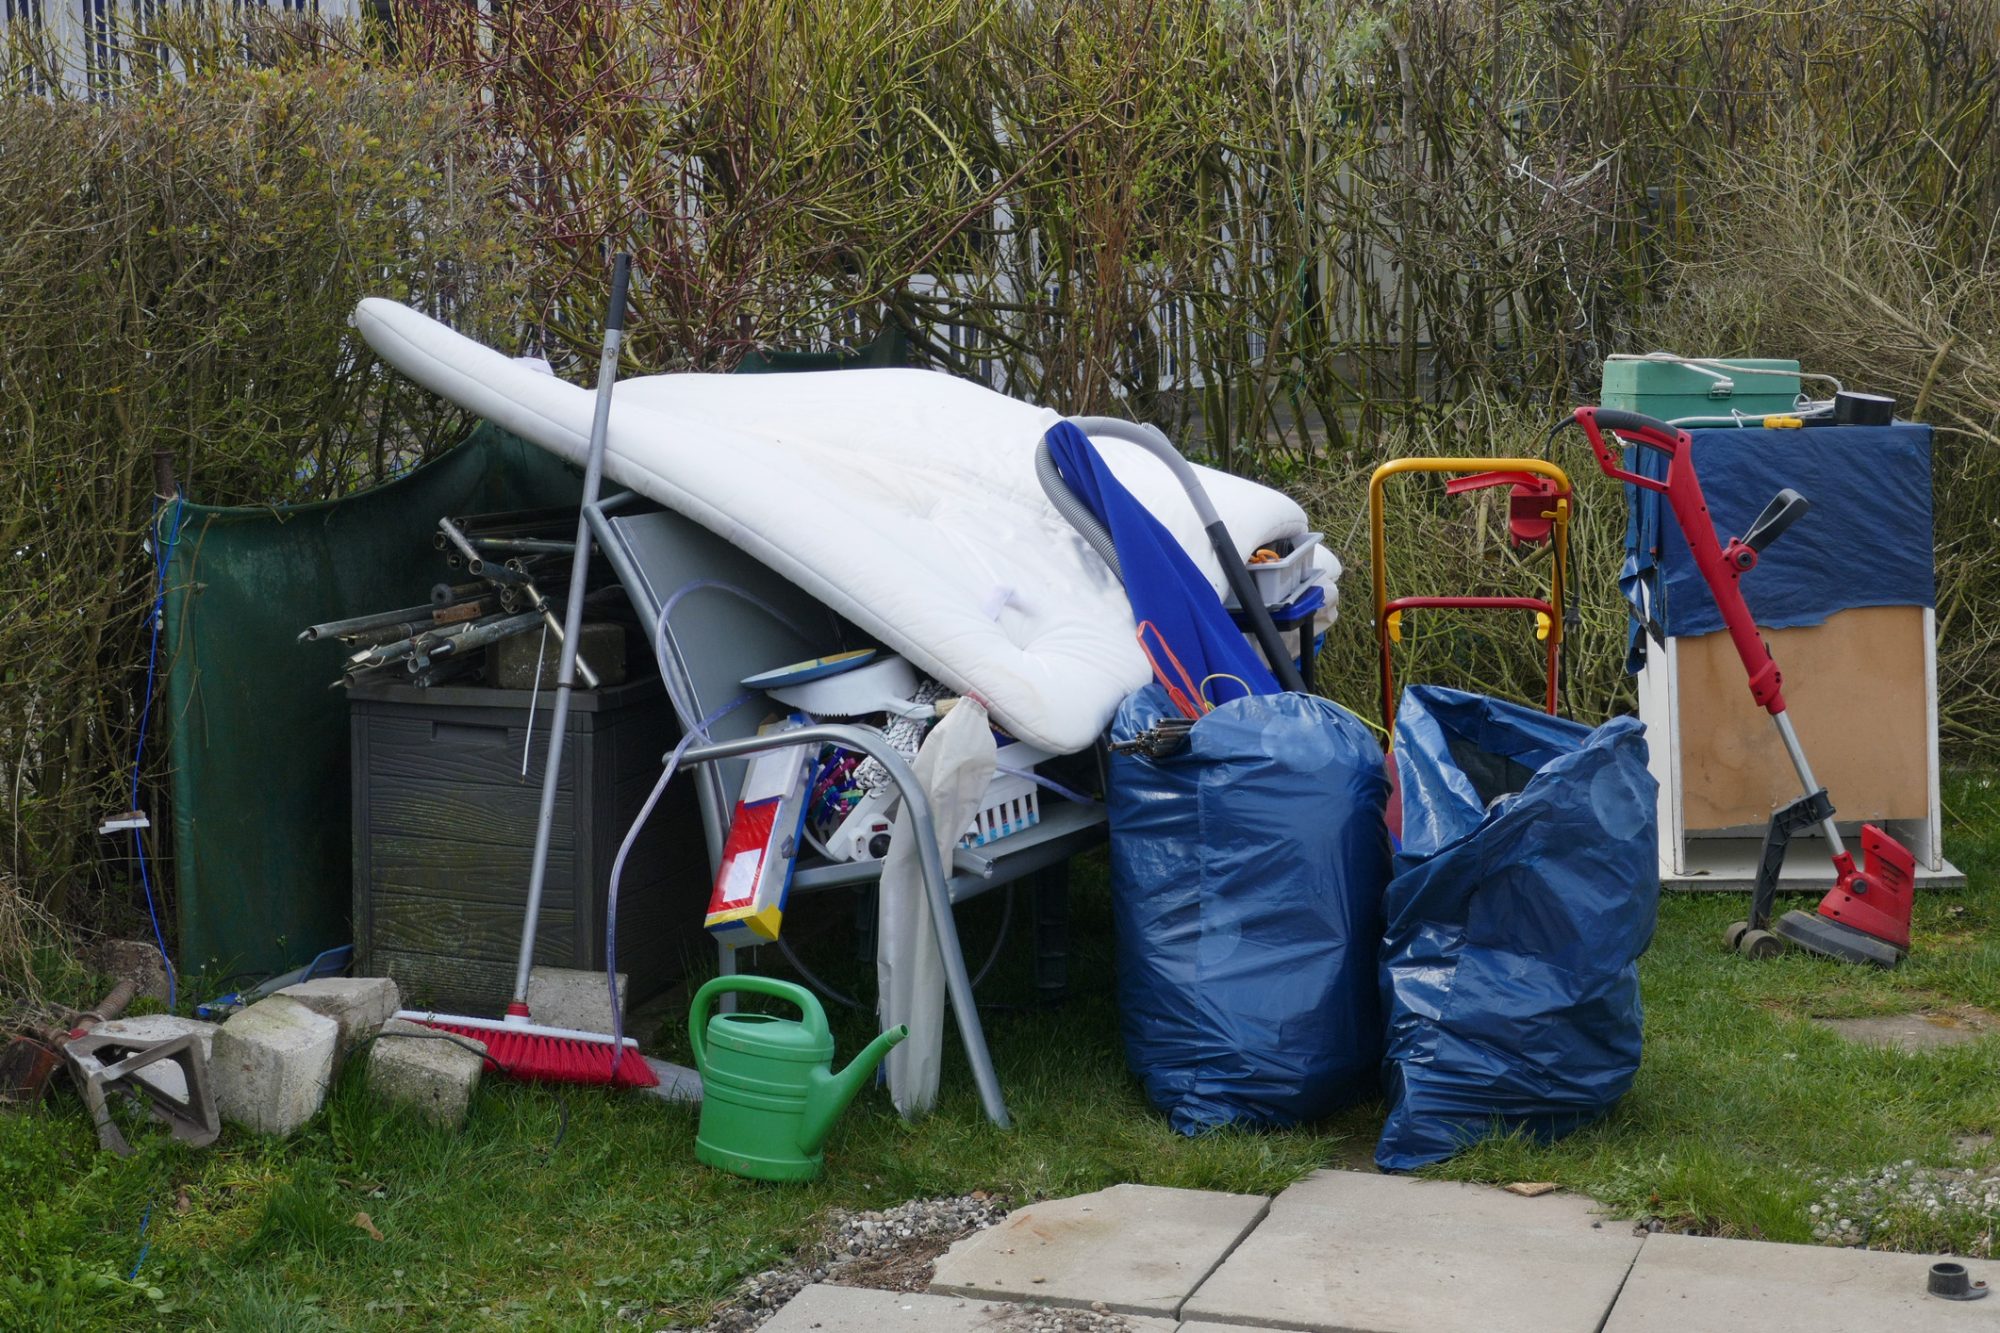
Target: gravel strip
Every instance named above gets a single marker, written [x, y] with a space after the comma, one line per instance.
[892, 1249]
[1061, 1319]
[1851, 1209]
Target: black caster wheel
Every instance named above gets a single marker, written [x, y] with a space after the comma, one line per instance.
[1733, 937]
[1760, 944]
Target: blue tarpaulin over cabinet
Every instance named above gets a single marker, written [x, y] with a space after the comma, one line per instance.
[1865, 542]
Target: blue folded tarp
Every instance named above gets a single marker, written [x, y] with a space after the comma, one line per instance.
[1524, 894]
[1865, 542]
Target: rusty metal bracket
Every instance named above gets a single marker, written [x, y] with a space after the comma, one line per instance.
[31, 1059]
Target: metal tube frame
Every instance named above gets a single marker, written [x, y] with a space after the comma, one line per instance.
[937, 885]
[1378, 560]
[958, 984]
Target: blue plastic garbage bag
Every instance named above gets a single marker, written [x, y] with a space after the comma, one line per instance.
[1246, 877]
[1524, 894]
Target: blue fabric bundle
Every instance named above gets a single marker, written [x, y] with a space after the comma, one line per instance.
[1162, 581]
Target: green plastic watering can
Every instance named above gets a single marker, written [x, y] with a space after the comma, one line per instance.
[768, 1091]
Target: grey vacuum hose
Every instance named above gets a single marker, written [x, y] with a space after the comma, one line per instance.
[1154, 441]
[1087, 524]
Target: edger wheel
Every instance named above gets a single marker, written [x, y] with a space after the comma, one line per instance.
[1760, 944]
[1733, 937]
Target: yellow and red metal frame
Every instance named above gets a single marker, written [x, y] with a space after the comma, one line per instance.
[1546, 492]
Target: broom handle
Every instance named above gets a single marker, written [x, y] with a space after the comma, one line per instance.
[579, 572]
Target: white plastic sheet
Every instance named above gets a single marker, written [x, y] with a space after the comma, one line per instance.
[954, 767]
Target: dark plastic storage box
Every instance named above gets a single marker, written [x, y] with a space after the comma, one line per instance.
[444, 832]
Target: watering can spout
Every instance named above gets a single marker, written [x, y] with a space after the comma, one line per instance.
[832, 1092]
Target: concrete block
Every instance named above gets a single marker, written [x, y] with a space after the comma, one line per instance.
[1362, 1253]
[1139, 1249]
[360, 1005]
[272, 1064]
[417, 1066]
[149, 1028]
[830, 1309]
[1696, 1284]
[563, 997]
[138, 960]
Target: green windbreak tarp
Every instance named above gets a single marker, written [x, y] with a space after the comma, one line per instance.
[258, 741]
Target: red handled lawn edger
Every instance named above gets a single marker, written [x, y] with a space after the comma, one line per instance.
[1865, 917]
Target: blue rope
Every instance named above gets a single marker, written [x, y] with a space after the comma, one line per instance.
[162, 554]
[144, 1244]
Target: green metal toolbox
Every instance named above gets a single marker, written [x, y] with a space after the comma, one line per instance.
[1668, 390]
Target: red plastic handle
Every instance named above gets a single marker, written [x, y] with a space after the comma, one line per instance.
[1683, 491]
[1639, 429]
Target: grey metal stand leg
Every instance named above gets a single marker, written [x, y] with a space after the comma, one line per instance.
[937, 886]
[725, 966]
[1050, 905]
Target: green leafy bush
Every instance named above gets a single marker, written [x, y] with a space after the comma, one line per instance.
[177, 272]
[1303, 236]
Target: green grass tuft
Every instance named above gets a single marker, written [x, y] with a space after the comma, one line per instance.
[559, 1210]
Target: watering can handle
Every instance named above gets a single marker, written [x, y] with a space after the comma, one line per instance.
[814, 1017]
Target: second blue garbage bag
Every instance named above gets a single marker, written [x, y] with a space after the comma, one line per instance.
[1247, 871]
[1524, 894]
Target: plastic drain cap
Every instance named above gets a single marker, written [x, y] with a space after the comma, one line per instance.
[1953, 1283]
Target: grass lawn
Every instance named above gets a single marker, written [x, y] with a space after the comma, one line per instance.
[557, 1211]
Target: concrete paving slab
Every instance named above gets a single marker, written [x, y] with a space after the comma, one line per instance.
[1139, 1249]
[1206, 1327]
[830, 1309]
[1351, 1252]
[1916, 1032]
[1696, 1284]
[677, 1083]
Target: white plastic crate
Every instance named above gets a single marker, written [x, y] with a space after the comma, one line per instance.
[1278, 581]
[1010, 805]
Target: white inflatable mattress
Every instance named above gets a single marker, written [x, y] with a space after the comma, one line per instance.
[905, 500]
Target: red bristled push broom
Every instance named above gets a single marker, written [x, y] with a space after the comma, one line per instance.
[516, 1045]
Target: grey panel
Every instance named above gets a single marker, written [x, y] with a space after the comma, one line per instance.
[715, 638]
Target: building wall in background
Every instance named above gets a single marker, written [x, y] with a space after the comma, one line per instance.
[90, 37]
